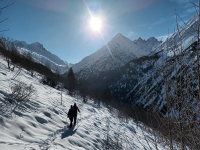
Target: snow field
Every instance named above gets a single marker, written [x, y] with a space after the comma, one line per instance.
[41, 123]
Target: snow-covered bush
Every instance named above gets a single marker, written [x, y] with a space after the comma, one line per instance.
[21, 92]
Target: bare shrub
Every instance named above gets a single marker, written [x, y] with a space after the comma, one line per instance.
[21, 92]
[7, 50]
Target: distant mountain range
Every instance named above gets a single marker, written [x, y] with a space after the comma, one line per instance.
[119, 51]
[147, 46]
[41, 55]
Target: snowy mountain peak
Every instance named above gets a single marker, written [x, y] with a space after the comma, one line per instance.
[152, 39]
[115, 54]
[140, 40]
[117, 38]
[37, 45]
[120, 42]
[20, 44]
[119, 35]
[147, 45]
[41, 55]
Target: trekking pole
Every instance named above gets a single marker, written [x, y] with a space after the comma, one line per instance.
[79, 118]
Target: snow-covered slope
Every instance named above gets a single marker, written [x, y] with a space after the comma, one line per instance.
[41, 55]
[145, 80]
[181, 39]
[42, 122]
[115, 54]
[148, 45]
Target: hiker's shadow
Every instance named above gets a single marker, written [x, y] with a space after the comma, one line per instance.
[68, 132]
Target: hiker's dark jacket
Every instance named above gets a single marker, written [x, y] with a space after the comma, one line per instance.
[71, 113]
[75, 109]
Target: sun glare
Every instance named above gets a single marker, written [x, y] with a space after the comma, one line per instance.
[95, 24]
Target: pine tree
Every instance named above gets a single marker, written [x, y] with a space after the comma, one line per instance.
[71, 81]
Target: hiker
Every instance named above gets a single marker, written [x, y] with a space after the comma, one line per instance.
[70, 115]
[75, 111]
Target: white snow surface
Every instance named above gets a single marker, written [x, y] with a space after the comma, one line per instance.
[41, 55]
[116, 53]
[41, 123]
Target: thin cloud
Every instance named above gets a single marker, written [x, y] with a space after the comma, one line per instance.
[130, 34]
[162, 20]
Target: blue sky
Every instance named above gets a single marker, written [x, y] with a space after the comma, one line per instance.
[62, 26]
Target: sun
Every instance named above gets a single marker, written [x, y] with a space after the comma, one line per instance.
[95, 24]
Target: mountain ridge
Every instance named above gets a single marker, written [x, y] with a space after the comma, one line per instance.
[116, 53]
[41, 55]
[147, 45]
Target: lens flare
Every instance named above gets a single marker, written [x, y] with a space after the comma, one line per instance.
[95, 24]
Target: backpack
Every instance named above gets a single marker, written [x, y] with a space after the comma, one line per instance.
[71, 113]
[75, 109]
